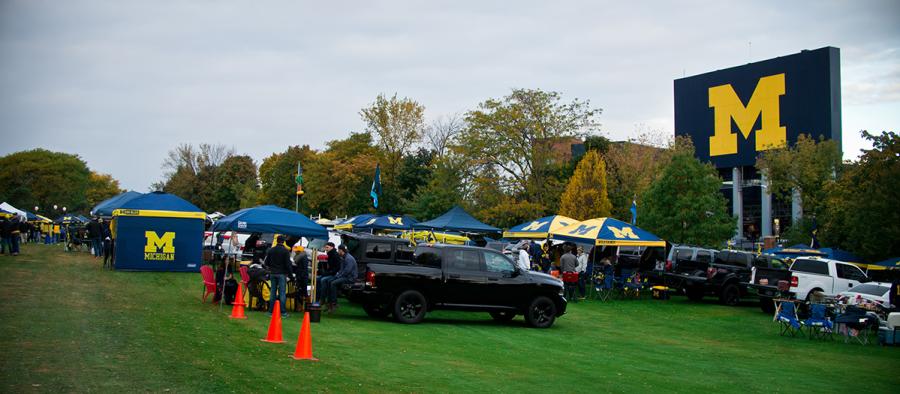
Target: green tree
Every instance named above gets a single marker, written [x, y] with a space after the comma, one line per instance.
[192, 174]
[807, 166]
[441, 192]
[521, 136]
[685, 206]
[43, 178]
[585, 196]
[338, 180]
[234, 178]
[862, 214]
[509, 213]
[101, 187]
[633, 165]
[277, 176]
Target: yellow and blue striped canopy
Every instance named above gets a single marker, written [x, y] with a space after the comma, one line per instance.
[539, 228]
[606, 231]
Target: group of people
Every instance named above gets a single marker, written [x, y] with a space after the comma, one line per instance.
[282, 262]
[574, 266]
[11, 230]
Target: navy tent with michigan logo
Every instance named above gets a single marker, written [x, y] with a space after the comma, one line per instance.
[158, 232]
[387, 223]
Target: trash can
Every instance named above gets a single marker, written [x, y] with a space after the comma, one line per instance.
[315, 312]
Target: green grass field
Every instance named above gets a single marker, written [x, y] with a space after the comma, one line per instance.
[67, 325]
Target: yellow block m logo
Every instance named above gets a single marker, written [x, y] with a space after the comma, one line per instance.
[154, 242]
[398, 221]
[534, 226]
[624, 232]
[763, 104]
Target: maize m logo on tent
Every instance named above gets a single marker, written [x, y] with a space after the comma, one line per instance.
[733, 115]
[159, 248]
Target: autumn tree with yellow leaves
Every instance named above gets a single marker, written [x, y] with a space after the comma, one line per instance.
[585, 196]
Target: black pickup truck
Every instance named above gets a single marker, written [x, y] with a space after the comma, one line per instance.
[726, 277]
[459, 278]
[764, 282]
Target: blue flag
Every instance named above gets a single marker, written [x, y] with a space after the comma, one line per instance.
[376, 185]
[633, 212]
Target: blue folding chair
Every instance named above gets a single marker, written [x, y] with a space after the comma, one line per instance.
[818, 325]
[787, 316]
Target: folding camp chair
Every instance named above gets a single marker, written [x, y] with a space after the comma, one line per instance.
[787, 316]
[632, 286]
[603, 284]
[818, 325]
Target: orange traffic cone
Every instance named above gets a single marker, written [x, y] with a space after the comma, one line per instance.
[237, 310]
[274, 335]
[304, 342]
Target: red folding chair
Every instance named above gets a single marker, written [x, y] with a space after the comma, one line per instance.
[209, 281]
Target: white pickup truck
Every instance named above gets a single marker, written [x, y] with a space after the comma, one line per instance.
[831, 277]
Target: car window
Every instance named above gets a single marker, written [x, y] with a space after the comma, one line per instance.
[495, 262]
[871, 289]
[429, 257]
[683, 254]
[463, 260]
[810, 266]
[846, 271]
[736, 259]
[378, 250]
[404, 253]
[704, 256]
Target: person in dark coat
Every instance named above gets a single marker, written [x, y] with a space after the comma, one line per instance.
[278, 260]
[301, 270]
[347, 274]
[329, 269]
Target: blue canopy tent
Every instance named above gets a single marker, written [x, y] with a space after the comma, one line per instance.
[457, 219]
[158, 232]
[387, 223]
[539, 228]
[106, 208]
[271, 219]
[893, 262]
[348, 224]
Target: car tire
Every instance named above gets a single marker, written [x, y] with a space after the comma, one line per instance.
[503, 316]
[730, 295]
[541, 312]
[410, 307]
[378, 311]
[766, 304]
[694, 293]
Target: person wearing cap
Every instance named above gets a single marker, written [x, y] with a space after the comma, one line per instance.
[524, 259]
[278, 260]
[347, 274]
[328, 271]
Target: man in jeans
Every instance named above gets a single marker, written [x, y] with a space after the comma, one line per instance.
[347, 274]
[278, 260]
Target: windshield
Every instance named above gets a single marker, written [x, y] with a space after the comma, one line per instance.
[870, 289]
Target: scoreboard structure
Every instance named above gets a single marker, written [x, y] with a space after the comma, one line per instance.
[734, 115]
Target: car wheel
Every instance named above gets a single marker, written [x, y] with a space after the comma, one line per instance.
[766, 304]
[541, 313]
[731, 295]
[410, 307]
[694, 293]
[378, 311]
[503, 316]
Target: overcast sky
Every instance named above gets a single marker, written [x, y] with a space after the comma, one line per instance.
[120, 83]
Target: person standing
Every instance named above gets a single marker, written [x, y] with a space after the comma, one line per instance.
[568, 265]
[4, 235]
[95, 233]
[15, 234]
[278, 260]
[582, 272]
[347, 274]
[107, 243]
[524, 260]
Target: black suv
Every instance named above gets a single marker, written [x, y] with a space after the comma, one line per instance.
[460, 278]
